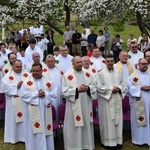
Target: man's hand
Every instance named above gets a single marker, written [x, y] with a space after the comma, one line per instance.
[19, 84]
[41, 93]
[116, 89]
[145, 88]
[82, 88]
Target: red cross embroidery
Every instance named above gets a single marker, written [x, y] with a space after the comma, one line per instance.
[6, 70]
[48, 127]
[135, 79]
[93, 70]
[61, 72]
[141, 118]
[11, 78]
[78, 118]
[91, 114]
[70, 77]
[25, 75]
[87, 74]
[19, 114]
[29, 83]
[44, 70]
[37, 125]
[103, 61]
[48, 85]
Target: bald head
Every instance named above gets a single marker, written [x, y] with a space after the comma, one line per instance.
[123, 56]
[77, 63]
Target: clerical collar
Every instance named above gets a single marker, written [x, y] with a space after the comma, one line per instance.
[110, 70]
[134, 52]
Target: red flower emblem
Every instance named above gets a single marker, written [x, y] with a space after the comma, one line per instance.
[93, 70]
[25, 75]
[29, 83]
[91, 114]
[87, 74]
[48, 127]
[48, 85]
[141, 118]
[37, 125]
[11, 78]
[103, 61]
[6, 70]
[135, 79]
[78, 118]
[70, 77]
[19, 114]
[44, 70]
[61, 72]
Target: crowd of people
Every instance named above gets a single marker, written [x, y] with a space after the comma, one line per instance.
[34, 75]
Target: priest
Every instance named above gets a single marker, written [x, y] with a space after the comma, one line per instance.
[139, 90]
[79, 89]
[14, 115]
[37, 94]
[111, 88]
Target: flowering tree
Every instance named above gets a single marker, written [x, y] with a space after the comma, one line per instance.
[50, 11]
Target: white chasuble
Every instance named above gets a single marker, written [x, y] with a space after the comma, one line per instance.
[14, 78]
[137, 80]
[32, 85]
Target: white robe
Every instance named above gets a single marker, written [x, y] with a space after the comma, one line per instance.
[98, 63]
[37, 141]
[133, 58]
[140, 135]
[14, 132]
[29, 52]
[82, 137]
[63, 63]
[54, 75]
[110, 120]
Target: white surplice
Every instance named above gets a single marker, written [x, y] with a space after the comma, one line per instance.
[54, 75]
[110, 106]
[29, 52]
[140, 135]
[14, 132]
[81, 137]
[37, 141]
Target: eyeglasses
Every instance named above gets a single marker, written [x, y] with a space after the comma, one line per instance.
[134, 47]
[65, 50]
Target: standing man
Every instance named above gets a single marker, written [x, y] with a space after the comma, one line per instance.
[68, 39]
[11, 57]
[111, 88]
[147, 57]
[37, 94]
[98, 62]
[124, 65]
[30, 50]
[139, 90]
[63, 60]
[17, 39]
[91, 39]
[79, 89]
[54, 75]
[107, 38]
[14, 115]
[134, 55]
[76, 46]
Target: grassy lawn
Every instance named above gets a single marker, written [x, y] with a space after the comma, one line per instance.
[127, 145]
[124, 35]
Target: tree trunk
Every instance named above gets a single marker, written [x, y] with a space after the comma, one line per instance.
[140, 22]
[54, 27]
[67, 9]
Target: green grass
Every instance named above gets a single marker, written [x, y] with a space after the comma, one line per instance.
[124, 35]
[127, 145]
